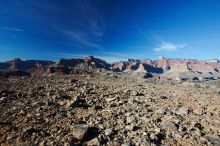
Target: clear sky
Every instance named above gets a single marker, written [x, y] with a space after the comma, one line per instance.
[109, 29]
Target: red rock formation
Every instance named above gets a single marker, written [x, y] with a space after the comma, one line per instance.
[178, 65]
[98, 63]
[119, 66]
[162, 63]
[200, 66]
[92, 64]
[141, 69]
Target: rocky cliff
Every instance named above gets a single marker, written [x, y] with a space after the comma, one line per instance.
[166, 68]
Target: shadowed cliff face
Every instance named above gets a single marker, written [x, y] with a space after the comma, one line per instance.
[153, 69]
[4, 66]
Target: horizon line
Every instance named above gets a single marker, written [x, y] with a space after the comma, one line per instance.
[103, 58]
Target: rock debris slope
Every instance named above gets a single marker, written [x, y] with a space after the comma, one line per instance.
[108, 109]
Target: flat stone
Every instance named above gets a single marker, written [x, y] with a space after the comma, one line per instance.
[83, 132]
[213, 139]
[152, 136]
[4, 99]
[69, 103]
[161, 111]
[125, 144]
[198, 111]
[79, 130]
[203, 140]
[93, 142]
[108, 132]
[134, 93]
[131, 126]
[168, 125]
[183, 111]
[130, 119]
[110, 99]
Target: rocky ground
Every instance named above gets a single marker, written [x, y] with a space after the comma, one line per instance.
[108, 109]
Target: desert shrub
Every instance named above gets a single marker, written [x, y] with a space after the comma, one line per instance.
[218, 92]
[207, 86]
[197, 85]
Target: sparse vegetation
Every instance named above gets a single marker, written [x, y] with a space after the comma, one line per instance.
[197, 85]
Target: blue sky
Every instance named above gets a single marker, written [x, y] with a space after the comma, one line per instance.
[109, 29]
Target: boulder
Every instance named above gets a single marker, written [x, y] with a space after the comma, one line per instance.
[183, 111]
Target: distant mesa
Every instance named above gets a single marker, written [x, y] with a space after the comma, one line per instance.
[213, 61]
[18, 64]
[175, 69]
